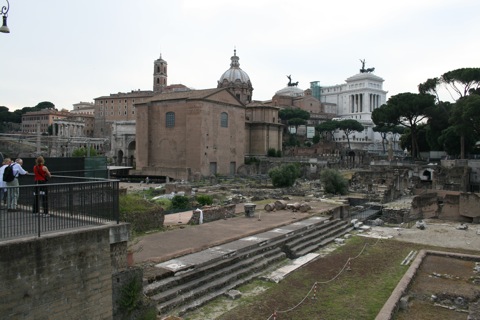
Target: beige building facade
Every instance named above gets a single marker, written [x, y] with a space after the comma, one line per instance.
[31, 121]
[83, 108]
[116, 107]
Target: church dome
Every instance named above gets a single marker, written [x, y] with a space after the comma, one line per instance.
[235, 73]
[291, 91]
[237, 81]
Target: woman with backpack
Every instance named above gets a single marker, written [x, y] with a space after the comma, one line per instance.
[12, 182]
[3, 184]
[41, 177]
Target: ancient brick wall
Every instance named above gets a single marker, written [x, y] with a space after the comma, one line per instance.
[213, 213]
[424, 206]
[393, 215]
[447, 205]
[469, 204]
[60, 276]
[145, 221]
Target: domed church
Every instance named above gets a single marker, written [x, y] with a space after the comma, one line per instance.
[237, 81]
[197, 133]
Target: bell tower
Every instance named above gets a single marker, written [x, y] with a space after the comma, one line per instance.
[159, 75]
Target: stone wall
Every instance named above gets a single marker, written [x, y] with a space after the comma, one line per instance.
[455, 178]
[145, 221]
[213, 213]
[469, 204]
[424, 206]
[393, 215]
[127, 295]
[57, 276]
[447, 205]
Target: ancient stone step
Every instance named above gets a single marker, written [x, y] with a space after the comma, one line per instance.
[315, 239]
[218, 284]
[326, 239]
[200, 277]
[314, 232]
[186, 286]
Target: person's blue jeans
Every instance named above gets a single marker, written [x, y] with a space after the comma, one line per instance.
[3, 194]
[13, 192]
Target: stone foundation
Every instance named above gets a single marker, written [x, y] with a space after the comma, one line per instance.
[213, 213]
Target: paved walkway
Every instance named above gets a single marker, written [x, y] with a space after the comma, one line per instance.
[162, 246]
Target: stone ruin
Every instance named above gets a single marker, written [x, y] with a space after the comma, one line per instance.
[428, 191]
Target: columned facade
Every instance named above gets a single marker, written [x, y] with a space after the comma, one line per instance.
[69, 129]
[360, 102]
[356, 99]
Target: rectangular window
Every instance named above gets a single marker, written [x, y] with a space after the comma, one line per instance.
[213, 168]
[224, 120]
[170, 120]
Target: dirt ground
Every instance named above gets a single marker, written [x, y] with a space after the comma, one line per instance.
[443, 288]
[439, 233]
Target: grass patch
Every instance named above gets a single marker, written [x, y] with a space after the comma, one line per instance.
[134, 202]
[222, 304]
[359, 293]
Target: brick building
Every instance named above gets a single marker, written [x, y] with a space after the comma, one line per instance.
[192, 133]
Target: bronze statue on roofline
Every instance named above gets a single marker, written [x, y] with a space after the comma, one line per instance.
[363, 70]
[290, 83]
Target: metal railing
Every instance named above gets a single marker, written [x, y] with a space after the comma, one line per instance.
[70, 202]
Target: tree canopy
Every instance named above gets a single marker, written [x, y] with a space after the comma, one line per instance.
[16, 116]
[460, 83]
[291, 113]
[409, 110]
[326, 127]
[462, 80]
[348, 126]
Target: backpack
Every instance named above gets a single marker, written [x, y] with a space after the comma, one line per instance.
[8, 174]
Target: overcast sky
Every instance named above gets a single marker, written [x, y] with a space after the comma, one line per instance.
[71, 51]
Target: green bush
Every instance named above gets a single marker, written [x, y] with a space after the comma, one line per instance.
[133, 202]
[82, 152]
[316, 139]
[333, 182]
[292, 141]
[131, 297]
[180, 202]
[153, 192]
[251, 160]
[279, 153]
[285, 175]
[204, 199]
[165, 203]
[143, 215]
[271, 152]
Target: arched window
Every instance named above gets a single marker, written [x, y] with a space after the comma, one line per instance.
[224, 120]
[170, 120]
